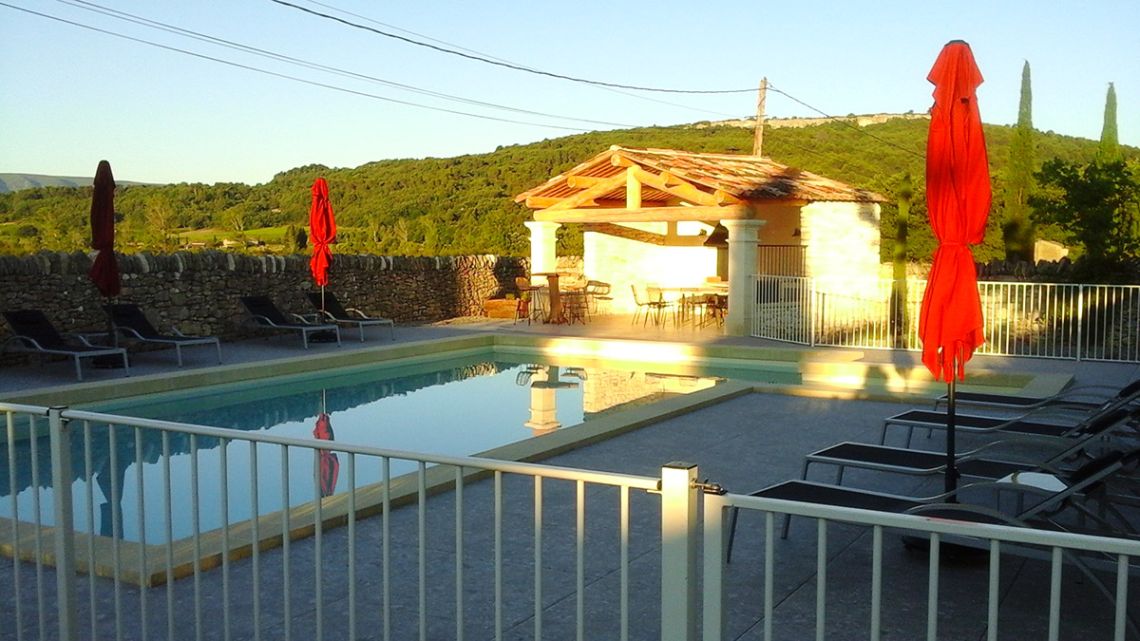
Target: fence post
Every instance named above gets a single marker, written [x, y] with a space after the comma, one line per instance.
[812, 320]
[713, 609]
[678, 552]
[64, 526]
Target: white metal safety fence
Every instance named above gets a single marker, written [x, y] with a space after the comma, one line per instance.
[1084, 322]
[128, 528]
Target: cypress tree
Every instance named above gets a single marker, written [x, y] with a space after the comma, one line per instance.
[1018, 231]
[1109, 142]
[899, 324]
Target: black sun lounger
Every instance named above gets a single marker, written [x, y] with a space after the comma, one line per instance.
[901, 460]
[35, 333]
[1088, 479]
[1063, 425]
[130, 321]
[263, 313]
[1081, 398]
[332, 311]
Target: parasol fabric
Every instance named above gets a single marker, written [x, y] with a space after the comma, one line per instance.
[105, 270]
[329, 463]
[958, 202]
[322, 232]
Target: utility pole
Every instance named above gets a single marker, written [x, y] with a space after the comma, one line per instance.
[758, 138]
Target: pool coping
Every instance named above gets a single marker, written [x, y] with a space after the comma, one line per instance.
[147, 564]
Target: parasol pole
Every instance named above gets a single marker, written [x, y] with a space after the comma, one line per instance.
[951, 448]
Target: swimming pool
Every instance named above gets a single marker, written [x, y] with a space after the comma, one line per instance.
[453, 406]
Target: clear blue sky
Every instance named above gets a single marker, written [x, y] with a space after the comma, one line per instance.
[72, 96]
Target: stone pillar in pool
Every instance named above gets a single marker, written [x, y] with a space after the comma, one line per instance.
[743, 236]
[543, 257]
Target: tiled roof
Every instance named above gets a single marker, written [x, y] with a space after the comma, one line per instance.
[751, 178]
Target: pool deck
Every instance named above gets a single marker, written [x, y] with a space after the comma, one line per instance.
[744, 443]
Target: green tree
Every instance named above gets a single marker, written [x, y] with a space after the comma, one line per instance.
[1098, 205]
[1109, 141]
[898, 287]
[1018, 233]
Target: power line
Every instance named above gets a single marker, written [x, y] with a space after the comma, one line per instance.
[146, 22]
[498, 63]
[481, 53]
[286, 76]
[845, 123]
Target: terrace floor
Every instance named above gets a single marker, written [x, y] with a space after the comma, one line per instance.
[744, 444]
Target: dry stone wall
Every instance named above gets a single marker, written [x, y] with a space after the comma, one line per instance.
[199, 291]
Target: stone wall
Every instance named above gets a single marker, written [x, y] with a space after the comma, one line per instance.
[198, 291]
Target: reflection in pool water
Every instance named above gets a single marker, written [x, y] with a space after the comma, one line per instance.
[454, 407]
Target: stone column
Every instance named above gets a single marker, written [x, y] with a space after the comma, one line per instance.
[743, 236]
[542, 248]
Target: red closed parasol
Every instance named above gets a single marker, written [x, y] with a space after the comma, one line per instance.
[105, 270]
[958, 202]
[329, 464]
[322, 232]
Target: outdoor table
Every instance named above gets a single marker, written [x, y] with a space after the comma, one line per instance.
[554, 315]
[688, 294]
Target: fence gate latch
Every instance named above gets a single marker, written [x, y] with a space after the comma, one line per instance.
[710, 488]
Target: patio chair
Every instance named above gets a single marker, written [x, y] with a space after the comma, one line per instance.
[1085, 397]
[334, 312]
[263, 313]
[1061, 425]
[130, 322]
[598, 295]
[33, 332]
[656, 306]
[973, 463]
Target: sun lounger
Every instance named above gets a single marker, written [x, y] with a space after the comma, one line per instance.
[1066, 492]
[970, 464]
[130, 322]
[263, 313]
[35, 333]
[1086, 397]
[331, 310]
[1058, 426]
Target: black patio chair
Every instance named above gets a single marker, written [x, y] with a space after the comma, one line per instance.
[35, 333]
[131, 323]
[263, 313]
[331, 310]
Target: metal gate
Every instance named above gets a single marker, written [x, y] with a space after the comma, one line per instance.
[783, 308]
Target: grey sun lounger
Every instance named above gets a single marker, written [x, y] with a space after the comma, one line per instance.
[35, 333]
[973, 463]
[334, 312]
[1087, 397]
[1059, 426]
[263, 313]
[130, 322]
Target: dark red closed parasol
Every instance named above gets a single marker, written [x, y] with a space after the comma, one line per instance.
[322, 232]
[105, 271]
[329, 466]
[958, 201]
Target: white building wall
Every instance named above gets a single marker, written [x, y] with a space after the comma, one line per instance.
[843, 249]
[623, 262]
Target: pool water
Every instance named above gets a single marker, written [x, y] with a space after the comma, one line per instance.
[457, 406]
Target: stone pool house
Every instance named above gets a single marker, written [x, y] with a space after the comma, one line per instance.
[675, 218]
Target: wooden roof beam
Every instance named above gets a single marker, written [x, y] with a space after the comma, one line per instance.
[683, 190]
[588, 195]
[645, 214]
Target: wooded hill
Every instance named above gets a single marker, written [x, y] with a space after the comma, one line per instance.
[464, 205]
